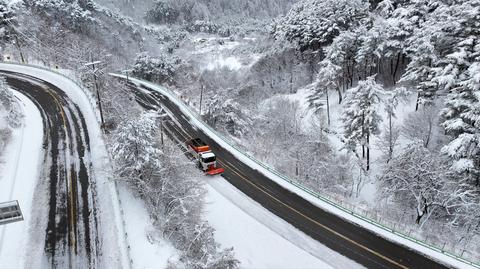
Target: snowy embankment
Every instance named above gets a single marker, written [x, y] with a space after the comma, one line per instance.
[112, 241]
[19, 167]
[318, 200]
[146, 249]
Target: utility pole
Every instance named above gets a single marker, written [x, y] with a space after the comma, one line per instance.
[162, 112]
[17, 44]
[97, 90]
[201, 99]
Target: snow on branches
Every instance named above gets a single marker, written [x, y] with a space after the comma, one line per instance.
[312, 23]
[360, 115]
[158, 69]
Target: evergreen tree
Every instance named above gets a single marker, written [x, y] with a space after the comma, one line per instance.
[360, 115]
[311, 24]
[462, 112]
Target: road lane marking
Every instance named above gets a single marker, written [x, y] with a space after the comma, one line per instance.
[72, 210]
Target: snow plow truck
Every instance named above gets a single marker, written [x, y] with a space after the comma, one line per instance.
[206, 159]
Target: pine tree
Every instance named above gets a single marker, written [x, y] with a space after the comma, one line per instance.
[327, 79]
[312, 24]
[360, 115]
[462, 113]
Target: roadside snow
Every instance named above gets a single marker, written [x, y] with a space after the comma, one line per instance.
[18, 179]
[260, 239]
[319, 201]
[147, 250]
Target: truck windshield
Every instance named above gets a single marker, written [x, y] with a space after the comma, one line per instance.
[209, 159]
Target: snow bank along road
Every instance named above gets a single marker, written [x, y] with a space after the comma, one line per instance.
[353, 241]
[75, 217]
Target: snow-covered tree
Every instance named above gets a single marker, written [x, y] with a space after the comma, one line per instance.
[421, 125]
[327, 79]
[360, 115]
[422, 181]
[135, 151]
[227, 115]
[462, 114]
[9, 106]
[162, 12]
[391, 135]
[73, 14]
[7, 19]
[312, 24]
[159, 69]
[342, 53]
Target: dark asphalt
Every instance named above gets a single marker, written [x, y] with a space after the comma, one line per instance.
[71, 234]
[346, 238]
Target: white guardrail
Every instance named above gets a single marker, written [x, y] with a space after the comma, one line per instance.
[356, 212]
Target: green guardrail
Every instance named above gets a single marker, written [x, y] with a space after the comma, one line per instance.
[324, 198]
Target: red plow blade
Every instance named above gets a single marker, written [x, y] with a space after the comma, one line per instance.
[215, 171]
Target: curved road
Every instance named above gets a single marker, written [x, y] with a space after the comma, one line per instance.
[71, 239]
[353, 241]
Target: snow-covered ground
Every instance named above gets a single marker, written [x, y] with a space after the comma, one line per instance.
[147, 249]
[262, 240]
[213, 52]
[18, 178]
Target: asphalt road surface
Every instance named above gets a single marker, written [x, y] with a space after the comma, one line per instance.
[346, 238]
[71, 239]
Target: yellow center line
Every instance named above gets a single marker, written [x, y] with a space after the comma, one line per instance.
[233, 169]
[72, 209]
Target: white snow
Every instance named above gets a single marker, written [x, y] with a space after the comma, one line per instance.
[288, 184]
[148, 250]
[18, 179]
[231, 63]
[260, 239]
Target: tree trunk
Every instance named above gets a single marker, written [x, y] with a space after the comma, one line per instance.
[417, 102]
[19, 49]
[296, 164]
[394, 75]
[340, 97]
[291, 79]
[328, 107]
[390, 138]
[427, 140]
[368, 151]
